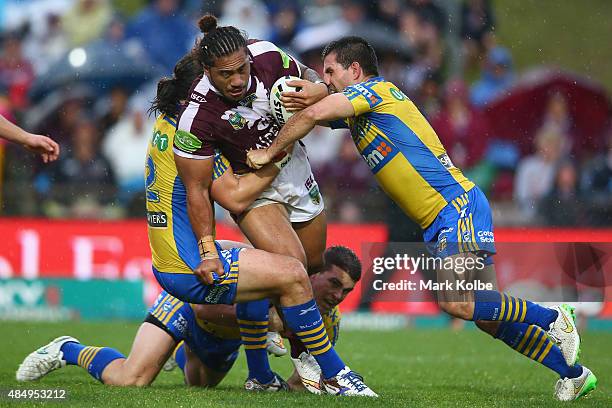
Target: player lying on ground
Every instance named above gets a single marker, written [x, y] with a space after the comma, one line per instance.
[413, 168]
[209, 337]
[247, 275]
[45, 146]
[229, 110]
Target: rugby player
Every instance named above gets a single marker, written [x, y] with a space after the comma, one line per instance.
[413, 168]
[207, 336]
[45, 146]
[247, 274]
[229, 110]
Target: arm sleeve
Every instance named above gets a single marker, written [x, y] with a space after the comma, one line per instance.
[363, 98]
[274, 60]
[193, 138]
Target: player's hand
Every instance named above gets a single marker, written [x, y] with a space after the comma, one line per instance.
[210, 271]
[257, 158]
[310, 94]
[43, 145]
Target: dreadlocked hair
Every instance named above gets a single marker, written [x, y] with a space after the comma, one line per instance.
[170, 91]
[217, 41]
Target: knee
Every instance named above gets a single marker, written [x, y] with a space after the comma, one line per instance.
[457, 309]
[296, 274]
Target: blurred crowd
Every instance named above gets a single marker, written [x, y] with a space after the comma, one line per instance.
[443, 54]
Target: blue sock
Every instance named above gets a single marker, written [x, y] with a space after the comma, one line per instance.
[533, 342]
[71, 352]
[253, 322]
[493, 305]
[179, 355]
[95, 359]
[307, 324]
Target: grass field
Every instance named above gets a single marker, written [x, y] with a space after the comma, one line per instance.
[416, 368]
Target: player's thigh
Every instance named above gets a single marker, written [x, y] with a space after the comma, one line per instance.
[313, 236]
[199, 374]
[263, 274]
[268, 228]
[151, 348]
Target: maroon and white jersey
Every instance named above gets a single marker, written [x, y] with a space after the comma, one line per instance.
[212, 122]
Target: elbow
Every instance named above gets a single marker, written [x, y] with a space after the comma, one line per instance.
[311, 114]
[238, 206]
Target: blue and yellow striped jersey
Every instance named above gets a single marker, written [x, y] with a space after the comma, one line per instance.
[402, 150]
[173, 244]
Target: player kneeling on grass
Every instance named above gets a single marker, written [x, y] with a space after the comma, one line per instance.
[203, 339]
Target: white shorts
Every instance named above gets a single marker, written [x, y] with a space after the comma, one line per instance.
[296, 188]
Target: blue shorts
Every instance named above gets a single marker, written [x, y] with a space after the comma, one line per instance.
[464, 225]
[188, 288]
[178, 320]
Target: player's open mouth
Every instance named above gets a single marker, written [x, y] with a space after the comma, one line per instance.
[236, 94]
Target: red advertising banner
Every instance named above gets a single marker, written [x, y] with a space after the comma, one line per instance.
[37, 248]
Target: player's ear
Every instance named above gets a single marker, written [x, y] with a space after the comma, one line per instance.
[355, 70]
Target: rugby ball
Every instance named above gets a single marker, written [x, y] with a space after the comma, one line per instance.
[279, 112]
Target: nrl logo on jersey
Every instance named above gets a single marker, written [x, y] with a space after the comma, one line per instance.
[235, 119]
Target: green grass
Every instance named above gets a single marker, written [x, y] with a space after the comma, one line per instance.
[574, 35]
[416, 368]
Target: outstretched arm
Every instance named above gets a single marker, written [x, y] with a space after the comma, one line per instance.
[236, 193]
[332, 107]
[43, 145]
[312, 90]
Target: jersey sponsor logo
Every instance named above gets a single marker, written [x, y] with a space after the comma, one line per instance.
[215, 293]
[313, 190]
[187, 141]
[159, 141]
[248, 100]
[397, 94]
[378, 153]
[157, 219]
[235, 119]
[446, 161]
[368, 93]
[197, 97]
[180, 324]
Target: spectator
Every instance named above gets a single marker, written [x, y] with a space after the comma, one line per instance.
[535, 174]
[165, 34]
[428, 11]
[557, 118]
[562, 206]
[248, 15]
[321, 12]
[496, 77]
[16, 72]
[344, 182]
[387, 13]
[86, 21]
[425, 39]
[477, 24]
[82, 181]
[597, 184]
[463, 130]
[117, 104]
[125, 146]
[46, 46]
[285, 24]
